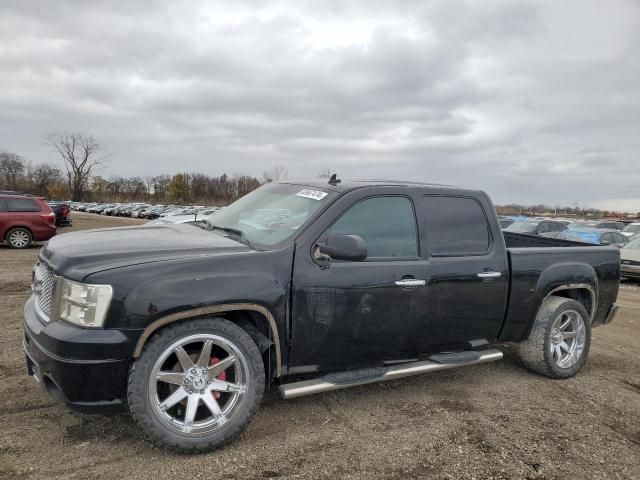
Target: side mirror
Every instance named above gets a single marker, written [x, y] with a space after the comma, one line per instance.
[345, 247]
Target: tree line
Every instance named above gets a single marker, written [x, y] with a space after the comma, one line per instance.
[81, 158]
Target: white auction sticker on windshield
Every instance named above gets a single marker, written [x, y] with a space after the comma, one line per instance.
[312, 194]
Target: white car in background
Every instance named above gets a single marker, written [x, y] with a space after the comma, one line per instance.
[631, 229]
[630, 260]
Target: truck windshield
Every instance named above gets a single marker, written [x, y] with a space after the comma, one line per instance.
[269, 214]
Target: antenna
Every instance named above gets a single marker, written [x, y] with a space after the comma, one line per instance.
[334, 180]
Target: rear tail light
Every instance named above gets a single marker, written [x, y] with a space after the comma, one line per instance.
[64, 211]
[49, 217]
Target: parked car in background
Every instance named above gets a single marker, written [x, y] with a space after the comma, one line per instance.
[134, 210]
[536, 227]
[605, 224]
[154, 212]
[62, 210]
[178, 211]
[25, 219]
[630, 259]
[632, 229]
[505, 222]
[596, 236]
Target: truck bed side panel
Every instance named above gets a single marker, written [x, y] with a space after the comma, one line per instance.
[537, 272]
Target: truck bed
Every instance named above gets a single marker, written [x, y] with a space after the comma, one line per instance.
[522, 240]
[538, 266]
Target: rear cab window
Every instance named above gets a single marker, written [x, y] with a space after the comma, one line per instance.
[456, 226]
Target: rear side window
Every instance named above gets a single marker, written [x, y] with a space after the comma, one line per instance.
[387, 224]
[22, 205]
[456, 226]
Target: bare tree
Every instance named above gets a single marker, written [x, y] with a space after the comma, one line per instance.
[81, 155]
[11, 168]
[44, 178]
[324, 173]
[278, 172]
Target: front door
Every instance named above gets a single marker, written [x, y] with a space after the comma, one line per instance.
[361, 313]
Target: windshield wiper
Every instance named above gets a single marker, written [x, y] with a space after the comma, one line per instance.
[242, 238]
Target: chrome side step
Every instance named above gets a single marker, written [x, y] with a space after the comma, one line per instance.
[336, 381]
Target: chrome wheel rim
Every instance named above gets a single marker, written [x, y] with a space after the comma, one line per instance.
[568, 338]
[19, 239]
[198, 384]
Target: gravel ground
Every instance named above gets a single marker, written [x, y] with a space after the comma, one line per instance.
[487, 421]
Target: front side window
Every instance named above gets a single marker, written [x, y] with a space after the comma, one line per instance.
[456, 226]
[387, 224]
[22, 205]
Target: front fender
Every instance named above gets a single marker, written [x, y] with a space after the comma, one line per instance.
[185, 288]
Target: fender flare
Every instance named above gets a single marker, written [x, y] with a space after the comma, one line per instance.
[214, 309]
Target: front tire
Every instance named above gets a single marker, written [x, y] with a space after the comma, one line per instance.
[197, 384]
[559, 342]
[19, 238]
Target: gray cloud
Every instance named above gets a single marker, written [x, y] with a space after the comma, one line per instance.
[532, 101]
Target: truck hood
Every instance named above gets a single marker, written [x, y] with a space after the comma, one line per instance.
[78, 254]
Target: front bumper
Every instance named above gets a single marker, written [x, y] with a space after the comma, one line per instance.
[86, 369]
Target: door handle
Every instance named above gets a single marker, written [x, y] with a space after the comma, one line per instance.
[410, 282]
[489, 274]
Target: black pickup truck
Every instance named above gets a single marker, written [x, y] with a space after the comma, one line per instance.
[308, 287]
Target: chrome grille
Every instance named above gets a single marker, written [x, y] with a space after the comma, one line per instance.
[43, 286]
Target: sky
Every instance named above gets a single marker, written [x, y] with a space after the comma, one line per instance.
[534, 102]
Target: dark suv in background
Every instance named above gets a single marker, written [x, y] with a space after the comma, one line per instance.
[62, 211]
[25, 219]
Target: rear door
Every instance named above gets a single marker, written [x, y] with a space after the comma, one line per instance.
[469, 270]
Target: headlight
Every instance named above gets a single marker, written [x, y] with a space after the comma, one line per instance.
[84, 304]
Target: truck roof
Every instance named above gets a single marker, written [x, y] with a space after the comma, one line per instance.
[346, 185]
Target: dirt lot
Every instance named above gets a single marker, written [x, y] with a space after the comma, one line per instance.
[487, 421]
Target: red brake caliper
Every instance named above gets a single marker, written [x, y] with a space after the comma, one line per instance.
[222, 376]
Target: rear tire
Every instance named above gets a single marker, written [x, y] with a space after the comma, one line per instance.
[559, 342]
[179, 397]
[19, 238]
